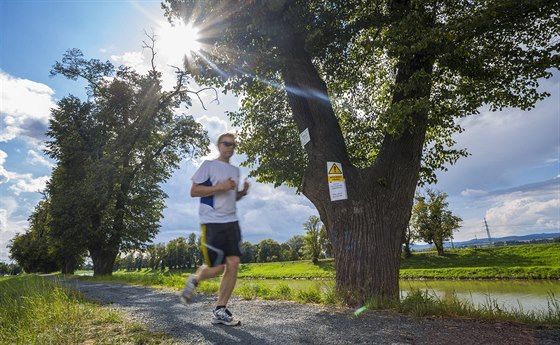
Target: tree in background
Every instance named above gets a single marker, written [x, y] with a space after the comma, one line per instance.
[312, 246]
[378, 85]
[36, 250]
[432, 221]
[112, 153]
[325, 242]
[408, 239]
[194, 253]
[10, 269]
[248, 252]
[269, 251]
[177, 253]
[296, 244]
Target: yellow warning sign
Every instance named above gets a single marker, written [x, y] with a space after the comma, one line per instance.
[335, 170]
[337, 178]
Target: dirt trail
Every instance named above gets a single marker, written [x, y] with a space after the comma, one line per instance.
[280, 322]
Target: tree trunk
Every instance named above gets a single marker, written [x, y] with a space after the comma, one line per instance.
[103, 260]
[366, 229]
[69, 265]
[439, 248]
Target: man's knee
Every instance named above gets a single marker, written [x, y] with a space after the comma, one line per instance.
[232, 262]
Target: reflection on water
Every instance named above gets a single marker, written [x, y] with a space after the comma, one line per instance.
[528, 295]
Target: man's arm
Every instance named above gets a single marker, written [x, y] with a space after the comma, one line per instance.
[244, 191]
[199, 190]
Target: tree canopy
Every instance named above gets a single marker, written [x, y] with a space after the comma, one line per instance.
[379, 85]
[113, 151]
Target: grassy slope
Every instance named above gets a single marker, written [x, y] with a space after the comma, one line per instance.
[537, 261]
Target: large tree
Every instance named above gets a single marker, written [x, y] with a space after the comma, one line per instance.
[378, 84]
[113, 151]
[432, 221]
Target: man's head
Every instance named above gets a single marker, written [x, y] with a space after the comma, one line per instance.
[226, 145]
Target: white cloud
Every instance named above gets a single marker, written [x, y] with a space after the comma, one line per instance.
[134, 60]
[507, 147]
[524, 213]
[277, 213]
[214, 125]
[25, 183]
[36, 158]
[24, 108]
[473, 192]
[4, 176]
[526, 209]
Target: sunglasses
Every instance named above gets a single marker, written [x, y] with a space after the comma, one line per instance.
[228, 144]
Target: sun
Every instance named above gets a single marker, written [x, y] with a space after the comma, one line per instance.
[179, 39]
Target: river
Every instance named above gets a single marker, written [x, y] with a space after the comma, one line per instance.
[527, 295]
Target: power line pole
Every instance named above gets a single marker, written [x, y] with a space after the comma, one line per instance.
[488, 232]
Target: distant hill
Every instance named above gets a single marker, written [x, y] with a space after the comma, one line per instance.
[484, 241]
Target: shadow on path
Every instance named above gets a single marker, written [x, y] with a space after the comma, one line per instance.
[280, 322]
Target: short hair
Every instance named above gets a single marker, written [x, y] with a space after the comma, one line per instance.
[225, 135]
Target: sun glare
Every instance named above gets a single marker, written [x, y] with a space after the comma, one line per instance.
[179, 39]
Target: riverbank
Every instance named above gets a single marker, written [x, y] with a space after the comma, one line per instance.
[534, 261]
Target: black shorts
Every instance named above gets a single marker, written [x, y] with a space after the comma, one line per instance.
[218, 241]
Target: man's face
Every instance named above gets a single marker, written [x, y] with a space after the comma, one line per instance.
[226, 146]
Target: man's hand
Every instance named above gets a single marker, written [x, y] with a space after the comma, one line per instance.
[244, 191]
[226, 185]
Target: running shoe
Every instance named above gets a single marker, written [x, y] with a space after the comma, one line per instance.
[188, 292]
[223, 316]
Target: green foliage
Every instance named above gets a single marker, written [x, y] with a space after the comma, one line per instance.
[312, 248]
[248, 252]
[269, 251]
[112, 153]
[477, 52]
[431, 221]
[311, 295]
[293, 269]
[35, 250]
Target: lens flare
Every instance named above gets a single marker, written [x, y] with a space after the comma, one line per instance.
[360, 310]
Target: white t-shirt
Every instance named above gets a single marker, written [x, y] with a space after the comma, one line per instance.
[220, 207]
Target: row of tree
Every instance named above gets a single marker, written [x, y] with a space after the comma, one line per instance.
[112, 153]
[10, 269]
[185, 252]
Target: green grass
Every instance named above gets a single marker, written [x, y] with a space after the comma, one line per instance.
[288, 270]
[530, 255]
[36, 310]
[532, 261]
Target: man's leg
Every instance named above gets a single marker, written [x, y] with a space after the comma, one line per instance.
[206, 272]
[228, 279]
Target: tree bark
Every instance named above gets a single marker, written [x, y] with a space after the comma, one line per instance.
[103, 260]
[69, 266]
[367, 228]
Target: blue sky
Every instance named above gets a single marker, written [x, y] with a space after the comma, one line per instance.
[512, 176]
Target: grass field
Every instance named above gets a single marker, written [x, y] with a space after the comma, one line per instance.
[535, 261]
[36, 310]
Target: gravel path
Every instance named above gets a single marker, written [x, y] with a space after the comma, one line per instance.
[280, 322]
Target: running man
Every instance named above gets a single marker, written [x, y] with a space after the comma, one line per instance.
[215, 182]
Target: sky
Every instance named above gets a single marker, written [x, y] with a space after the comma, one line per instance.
[511, 178]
